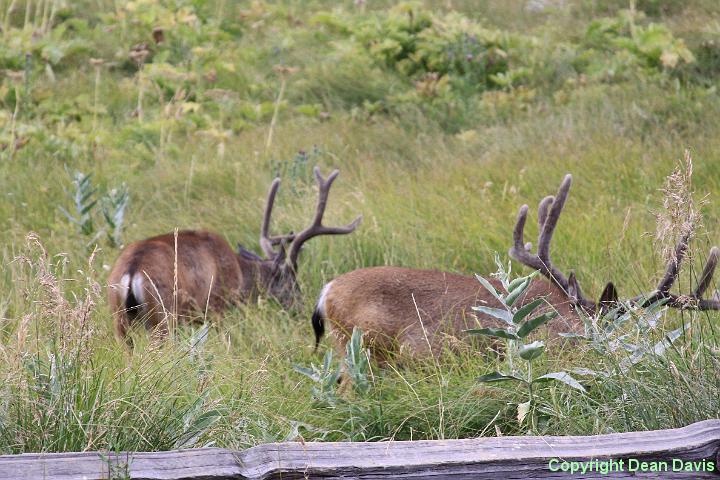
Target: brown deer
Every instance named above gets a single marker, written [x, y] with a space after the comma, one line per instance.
[192, 271]
[415, 310]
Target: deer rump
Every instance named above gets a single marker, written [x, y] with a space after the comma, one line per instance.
[156, 281]
[420, 311]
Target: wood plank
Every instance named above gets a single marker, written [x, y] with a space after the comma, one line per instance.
[480, 458]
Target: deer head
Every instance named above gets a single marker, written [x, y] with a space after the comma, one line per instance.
[278, 270]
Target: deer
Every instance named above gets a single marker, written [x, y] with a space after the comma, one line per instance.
[414, 310]
[185, 273]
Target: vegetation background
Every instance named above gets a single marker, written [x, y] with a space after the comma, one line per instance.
[121, 120]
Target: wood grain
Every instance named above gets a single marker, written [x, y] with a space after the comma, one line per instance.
[480, 458]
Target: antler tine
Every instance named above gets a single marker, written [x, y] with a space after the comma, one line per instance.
[266, 241]
[552, 217]
[543, 207]
[673, 266]
[693, 301]
[317, 228]
[549, 211]
[707, 273]
[324, 190]
[518, 250]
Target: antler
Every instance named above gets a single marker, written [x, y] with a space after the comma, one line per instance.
[317, 228]
[693, 301]
[267, 242]
[549, 211]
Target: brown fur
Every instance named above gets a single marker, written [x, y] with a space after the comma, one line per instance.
[209, 273]
[184, 275]
[417, 310]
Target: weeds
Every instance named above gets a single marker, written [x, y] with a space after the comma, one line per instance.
[520, 324]
[441, 118]
[84, 201]
[325, 379]
[112, 204]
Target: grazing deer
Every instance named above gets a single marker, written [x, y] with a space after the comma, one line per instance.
[411, 309]
[191, 271]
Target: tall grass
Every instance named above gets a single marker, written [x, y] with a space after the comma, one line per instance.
[431, 196]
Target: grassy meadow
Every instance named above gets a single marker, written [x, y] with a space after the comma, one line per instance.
[443, 119]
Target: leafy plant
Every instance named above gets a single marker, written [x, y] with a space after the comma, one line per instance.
[357, 368]
[357, 363]
[652, 47]
[113, 206]
[325, 379]
[83, 198]
[196, 421]
[520, 322]
[416, 42]
[627, 328]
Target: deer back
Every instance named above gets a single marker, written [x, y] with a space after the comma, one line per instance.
[153, 278]
[412, 309]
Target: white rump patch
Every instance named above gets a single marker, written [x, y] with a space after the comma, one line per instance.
[323, 297]
[123, 286]
[137, 288]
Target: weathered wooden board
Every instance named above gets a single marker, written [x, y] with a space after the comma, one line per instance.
[481, 458]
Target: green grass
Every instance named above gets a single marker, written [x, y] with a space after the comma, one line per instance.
[438, 181]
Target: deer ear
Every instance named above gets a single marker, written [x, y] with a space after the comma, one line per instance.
[609, 296]
[245, 253]
[573, 286]
[279, 258]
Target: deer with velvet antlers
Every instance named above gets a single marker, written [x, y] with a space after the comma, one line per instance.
[188, 272]
[417, 310]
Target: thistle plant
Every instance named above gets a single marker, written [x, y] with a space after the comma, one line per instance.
[520, 321]
[297, 170]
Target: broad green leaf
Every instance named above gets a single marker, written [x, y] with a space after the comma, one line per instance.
[526, 310]
[308, 372]
[489, 288]
[669, 339]
[563, 377]
[503, 315]
[515, 294]
[528, 327]
[532, 350]
[493, 332]
[498, 377]
[514, 284]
